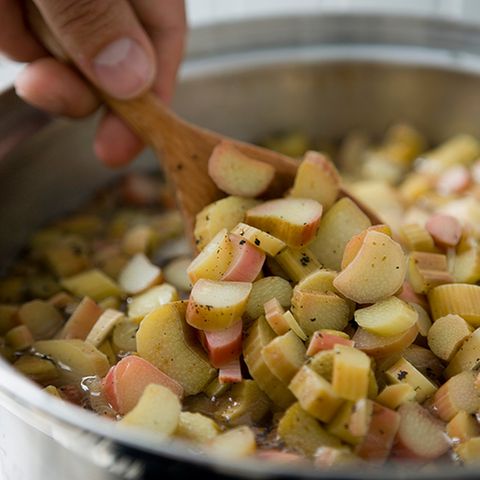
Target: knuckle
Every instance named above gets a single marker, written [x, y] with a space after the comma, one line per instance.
[82, 18]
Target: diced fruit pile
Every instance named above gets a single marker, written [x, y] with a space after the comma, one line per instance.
[300, 332]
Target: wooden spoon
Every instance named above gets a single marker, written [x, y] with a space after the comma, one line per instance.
[182, 148]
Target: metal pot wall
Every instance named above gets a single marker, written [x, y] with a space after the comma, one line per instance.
[323, 74]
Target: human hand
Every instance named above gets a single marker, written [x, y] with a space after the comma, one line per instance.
[123, 47]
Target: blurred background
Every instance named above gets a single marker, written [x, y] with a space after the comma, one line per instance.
[203, 12]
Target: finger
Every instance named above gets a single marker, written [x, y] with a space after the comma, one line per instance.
[165, 22]
[115, 144]
[16, 41]
[106, 41]
[56, 88]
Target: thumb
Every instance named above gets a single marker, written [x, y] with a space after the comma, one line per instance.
[106, 41]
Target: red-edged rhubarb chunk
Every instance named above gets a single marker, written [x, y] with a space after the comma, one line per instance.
[420, 436]
[215, 306]
[237, 174]
[125, 382]
[323, 340]
[445, 230]
[293, 220]
[230, 372]
[247, 261]
[378, 441]
[223, 346]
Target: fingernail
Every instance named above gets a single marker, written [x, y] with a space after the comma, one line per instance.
[123, 68]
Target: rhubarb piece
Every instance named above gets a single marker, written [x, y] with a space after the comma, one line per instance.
[238, 442]
[126, 381]
[424, 322]
[420, 435]
[320, 280]
[274, 314]
[42, 319]
[316, 310]
[376, 273]
[417, 238]
[458, 298]
[284, 356]
[247, 261]
[175, 274]
[223, 346]
[425, 361]
[196, 427]
[139, 274]
[259, 336]
[456, 394]
[404, 372]
[427, 270]
[263, 240]
[294, 326]
[445, 230]
[19, 338]
[82, 320]
[407, 294]
[360, 418]
[466, 265]
[342, 221]
[350, 376]
[454, 180]
[315, 394]
[356, 242]
[264, 290]
[76, 358]
[163, 335]
[303, 433]
[139, 239]
[38, 369]
[379, 347]
[142, 304]
[387, 318]
[382, 429]
[92, 283]
[230, 372]
[104, 326]
[124, 337]
[213, 261]
[469, 451]
[392, 396]
[462, 427]
[339, 426]
[224, 213]
[146, 414]
[298, 263]
[447, 334]
[461, 149]
[467, 356]
[107, 349]
[326, 340]
[238, 174]
[245, 401]
[293, 220]
[217, 305]
[318, 179]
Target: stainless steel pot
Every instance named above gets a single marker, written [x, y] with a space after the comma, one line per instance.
[324, 74]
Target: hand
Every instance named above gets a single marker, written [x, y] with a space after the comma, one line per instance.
[124, 47]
